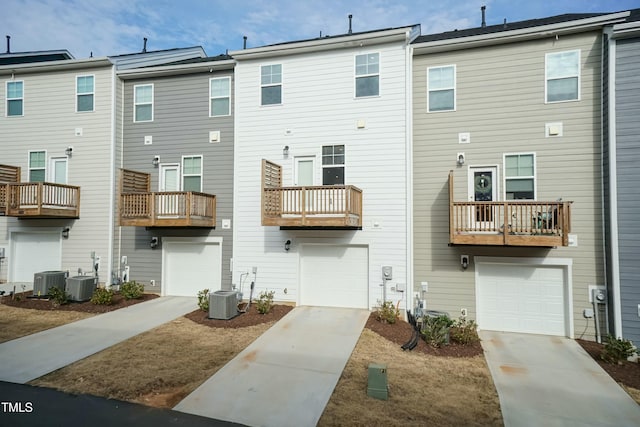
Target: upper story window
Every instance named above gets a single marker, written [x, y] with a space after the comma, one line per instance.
[333, 165]
[367, 75]
[143, 103]
[220, 97]
[271, 84]
[192, 173]
[84, 93]
[441, 88]
[562, 74]
[520, 176]
[37, 166]
[15, 98]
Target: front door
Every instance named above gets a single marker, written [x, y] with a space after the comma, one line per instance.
[303, 173]
[168, 204]
[483, 190]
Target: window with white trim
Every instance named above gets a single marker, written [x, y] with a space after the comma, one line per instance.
[441, 88]
[37, 166]
[220, 96]
[192, 173]
[271, 84]
[520, 176]
[367, 75]
[562, 76]
[333, 165]
[15, 98]
[143, 103]
[84, 93]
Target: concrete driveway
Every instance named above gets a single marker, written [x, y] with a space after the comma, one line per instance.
[552, 381]
[286, 376]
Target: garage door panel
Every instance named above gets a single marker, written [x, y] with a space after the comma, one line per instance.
[521, 298]
[34, 252]
[191, 267]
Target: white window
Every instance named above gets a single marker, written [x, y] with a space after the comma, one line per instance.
[562, 73]
[271, 84]
[143, 103]
[37, 166]
[220, 97]
[192, 173]
[84, 93]
[520, 176]
[333, 165]
[367, 75]
[15, 98]
[441, 88]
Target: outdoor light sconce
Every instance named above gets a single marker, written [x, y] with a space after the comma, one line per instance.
[65, 232]
[461, 159]
[285, 151]
[464, 261]
[154, 242]
[156, 161]
[287, 245]
[68, 151]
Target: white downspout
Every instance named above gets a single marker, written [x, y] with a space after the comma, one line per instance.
[409, 170]
[112, 163]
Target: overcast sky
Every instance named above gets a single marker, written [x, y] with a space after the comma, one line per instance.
[112, 27]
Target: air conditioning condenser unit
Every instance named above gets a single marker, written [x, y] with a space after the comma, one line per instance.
[81, 288]
[223, 305]
[45, 280]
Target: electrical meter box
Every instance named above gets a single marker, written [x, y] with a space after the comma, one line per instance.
[387, 272]
[377, 386]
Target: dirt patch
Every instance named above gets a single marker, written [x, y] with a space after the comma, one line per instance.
[24, 301]
[250, 318]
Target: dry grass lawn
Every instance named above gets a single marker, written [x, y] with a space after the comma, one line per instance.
[18, 322]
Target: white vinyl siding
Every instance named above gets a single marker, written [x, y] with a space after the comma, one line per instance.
[271, 84]
[520, 176]
[220, 96]
[37, 166]
[192, 173]
[143, 103]
[367, 75]
[441, 86]
[562, 72]
[15, 98]
[85, 92]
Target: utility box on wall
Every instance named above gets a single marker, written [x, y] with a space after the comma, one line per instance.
[377, 386]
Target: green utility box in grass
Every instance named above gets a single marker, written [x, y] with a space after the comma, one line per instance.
[378, 386]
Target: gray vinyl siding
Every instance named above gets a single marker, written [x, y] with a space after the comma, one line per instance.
[500, 101]
[180, 126]
[628, 177]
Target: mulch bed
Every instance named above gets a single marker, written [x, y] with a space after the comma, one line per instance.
[627, 373]
[86, 307]
[250, 318]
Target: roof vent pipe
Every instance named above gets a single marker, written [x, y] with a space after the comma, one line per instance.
[144, 48]
[244, 44]
[8, 44]
[350, 31]
[484, 22]
[504, 25]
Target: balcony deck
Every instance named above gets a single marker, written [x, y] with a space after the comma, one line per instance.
[328, 206]
[39, 200]
[140, 207]
[509, 223]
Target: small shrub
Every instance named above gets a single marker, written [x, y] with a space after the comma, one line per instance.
[102, 296]
[132, 290]
[617, 350]
[464, 331]
[265, 302]
[59, 296]
[435, 330]
[387, 313]
[203, 300]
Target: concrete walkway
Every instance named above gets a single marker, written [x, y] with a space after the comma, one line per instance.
[552, 381]
[286, 376]
[30, 357]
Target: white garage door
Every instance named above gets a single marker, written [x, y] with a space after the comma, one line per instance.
[190, 267]
[32, 253]
[334, 276]
[521, 298]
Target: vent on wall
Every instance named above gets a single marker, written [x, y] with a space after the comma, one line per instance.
[214, 136]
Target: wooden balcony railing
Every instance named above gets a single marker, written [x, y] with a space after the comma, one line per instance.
[41, 200]
[308, 206]
[509, 223]
[168, 209]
